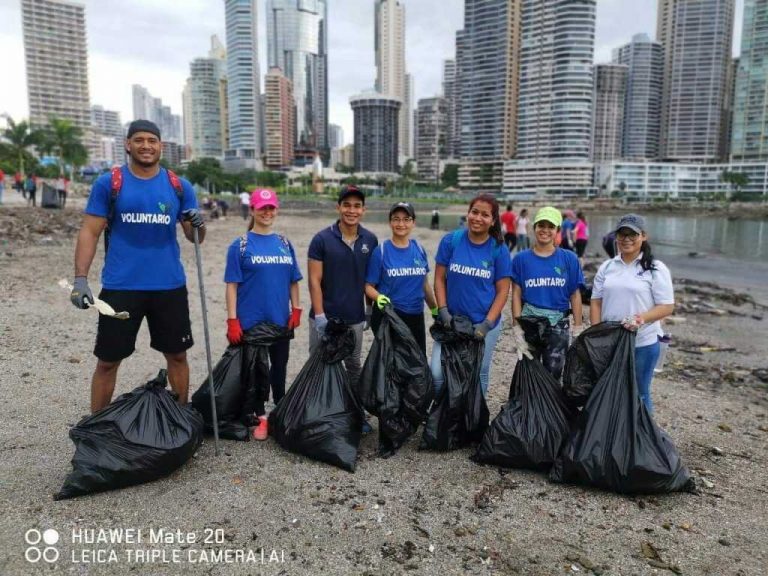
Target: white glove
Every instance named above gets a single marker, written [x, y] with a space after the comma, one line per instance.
[518, 336]
[577, 330]
[632, 323]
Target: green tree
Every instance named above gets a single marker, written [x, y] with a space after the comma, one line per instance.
[450, 176]
[205, 171]
[64, 139]
[736, 180]
[19, 138]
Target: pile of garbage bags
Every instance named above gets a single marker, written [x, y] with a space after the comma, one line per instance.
[459, 415]
[240, 380]
[141, 436]
[396, 382]
[320, 416]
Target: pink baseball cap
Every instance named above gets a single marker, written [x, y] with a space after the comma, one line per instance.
[262, 197]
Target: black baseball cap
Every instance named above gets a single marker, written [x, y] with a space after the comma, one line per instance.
[634, 222]
[405, 206]
[351, 190]
[143, 126]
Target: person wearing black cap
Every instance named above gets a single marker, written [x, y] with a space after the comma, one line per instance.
[635, 289]
[338, 259]
[138, 206]
[398, 275]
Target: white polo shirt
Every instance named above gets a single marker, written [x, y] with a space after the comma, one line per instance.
[627, 289]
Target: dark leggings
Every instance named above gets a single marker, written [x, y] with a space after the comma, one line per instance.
[414, 321]
[278, 364]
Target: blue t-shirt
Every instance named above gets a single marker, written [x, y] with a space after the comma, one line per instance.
[472, 271]
[143, 251]
[547, 282]
[344, 270]
[567, 226]
[264, 274]
[399, 273]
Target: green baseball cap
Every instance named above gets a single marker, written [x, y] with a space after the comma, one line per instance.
[550, 214]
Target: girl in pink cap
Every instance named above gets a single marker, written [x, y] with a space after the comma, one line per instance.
[262, 277]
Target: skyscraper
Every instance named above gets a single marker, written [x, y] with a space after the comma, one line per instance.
[279, 123]
[243, 85]
[389, 48]
[431, 137]
[147, 107]
[489, 48]
[696, 36]
[297, 43]
[554, 107]
[608, 124]
[56, 60]
[749, 139]
[206, 129]
[450, 96]
[335, 136]
[376, 132]
[642, 105]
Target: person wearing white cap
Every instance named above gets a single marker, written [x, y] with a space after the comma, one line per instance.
[636, 289]
[262, 276]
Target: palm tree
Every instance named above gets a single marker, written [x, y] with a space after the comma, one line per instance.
[20, 137]
[64, 139]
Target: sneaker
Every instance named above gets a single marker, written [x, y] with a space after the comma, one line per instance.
[260, 432]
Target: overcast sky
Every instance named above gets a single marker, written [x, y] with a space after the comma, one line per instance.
[151, 42]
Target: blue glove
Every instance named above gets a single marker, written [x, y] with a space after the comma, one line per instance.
[194, 217]
[320, 323]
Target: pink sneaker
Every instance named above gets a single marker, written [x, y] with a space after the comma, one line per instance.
[260, 431]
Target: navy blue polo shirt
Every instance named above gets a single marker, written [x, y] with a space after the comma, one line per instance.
[344, 269]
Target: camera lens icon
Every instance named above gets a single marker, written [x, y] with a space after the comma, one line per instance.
[34, 554]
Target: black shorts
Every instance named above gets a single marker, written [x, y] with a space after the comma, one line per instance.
[167, 313]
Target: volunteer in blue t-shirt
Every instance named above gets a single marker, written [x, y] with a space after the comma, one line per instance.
[138, 206]
[545, 283]
[636, 289]
[472, 271]
[262, 277]
[398, 275]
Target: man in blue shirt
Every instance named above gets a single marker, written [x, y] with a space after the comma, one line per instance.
[138, 205]
[338, 259]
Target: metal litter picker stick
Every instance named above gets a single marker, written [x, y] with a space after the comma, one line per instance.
[207, 342]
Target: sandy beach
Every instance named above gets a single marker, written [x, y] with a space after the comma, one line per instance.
[417, 513]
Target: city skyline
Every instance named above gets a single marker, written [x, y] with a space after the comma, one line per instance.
[163, 68]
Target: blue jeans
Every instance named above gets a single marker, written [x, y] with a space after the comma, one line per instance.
[485, 368]
[645, 361]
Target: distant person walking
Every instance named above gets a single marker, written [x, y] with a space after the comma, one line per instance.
[18, 183]
[61, 191]
[522, 231]
[30, 186]
[509, 227]
[566, 231]
[245, 205]
[435, 222]
[2, 185]
[635, 288]
[581, 236]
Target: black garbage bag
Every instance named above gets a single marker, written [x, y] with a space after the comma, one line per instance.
[537, 331]
[615, 444]
[459, 415]
[241, 380]
[532, 426]
[396, 382]
[141, 436]
[587, 359]
[320, 416]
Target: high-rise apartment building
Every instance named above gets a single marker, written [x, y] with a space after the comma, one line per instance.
[431, 137]
[749, 135]
[243, 84]
[107, 122]
[104, 140]
[608, 124]
[696, 36]
[554, 106]
[297, 43]
[206, 127]
[642, 105]
[279, 121]
[389, 48]
[335, 136]
[376, 132]
[56, 58]
[147, 107]
[450, 95]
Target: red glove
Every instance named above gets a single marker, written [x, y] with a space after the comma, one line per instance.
[295, 320]
[234, 331]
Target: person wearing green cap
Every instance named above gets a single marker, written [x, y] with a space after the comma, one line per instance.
[545, 284]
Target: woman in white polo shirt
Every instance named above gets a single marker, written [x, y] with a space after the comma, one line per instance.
[635, 289]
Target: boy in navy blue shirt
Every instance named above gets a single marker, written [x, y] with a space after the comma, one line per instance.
[338, 259]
